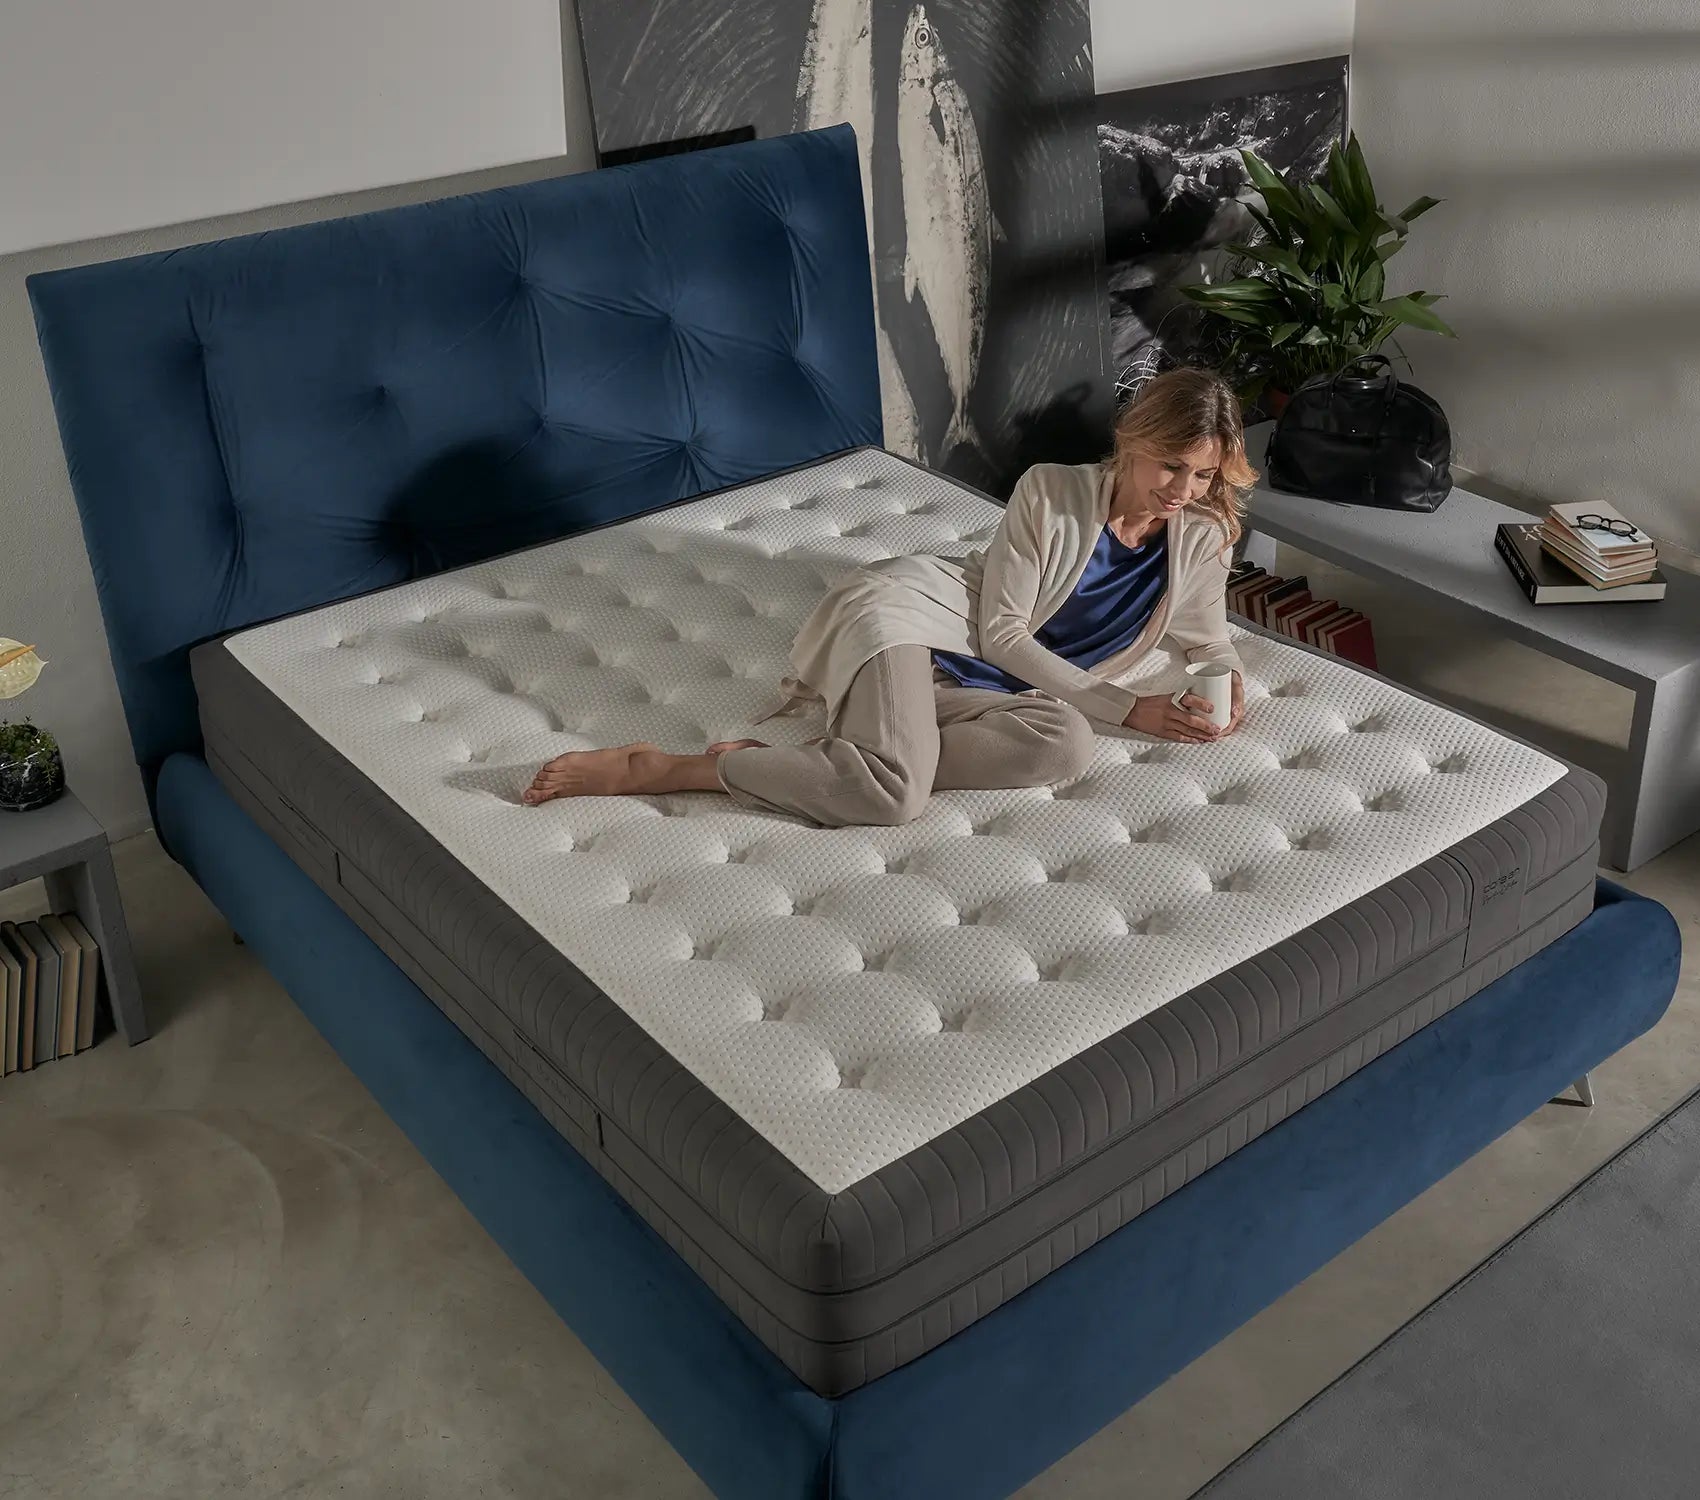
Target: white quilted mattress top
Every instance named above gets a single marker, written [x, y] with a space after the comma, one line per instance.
[853, 993]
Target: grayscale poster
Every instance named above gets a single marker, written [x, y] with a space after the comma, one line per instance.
[980, 172]
[1175, 187]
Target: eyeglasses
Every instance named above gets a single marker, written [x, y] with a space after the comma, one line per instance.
[1616, 525]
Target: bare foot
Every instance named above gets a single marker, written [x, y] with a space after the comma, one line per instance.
[588, 773]
[720, 747]
[623, 771]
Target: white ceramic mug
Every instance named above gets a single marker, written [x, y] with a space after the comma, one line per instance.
[1214, 682]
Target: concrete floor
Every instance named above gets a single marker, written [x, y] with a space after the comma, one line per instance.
[223, 1270]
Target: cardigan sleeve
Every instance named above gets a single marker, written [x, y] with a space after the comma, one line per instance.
[1009, 594]
[1198, 619]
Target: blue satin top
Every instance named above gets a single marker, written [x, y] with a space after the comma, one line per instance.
[1110, 605]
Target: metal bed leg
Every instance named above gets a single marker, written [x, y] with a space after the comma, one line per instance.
[1584, 1091]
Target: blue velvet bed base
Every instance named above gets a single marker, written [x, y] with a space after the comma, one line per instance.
[995, 1405]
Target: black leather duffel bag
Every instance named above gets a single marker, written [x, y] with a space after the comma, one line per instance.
[1363, 436]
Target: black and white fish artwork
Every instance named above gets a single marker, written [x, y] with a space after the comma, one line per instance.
[947, 212]
[1175, 186]
[979, 175]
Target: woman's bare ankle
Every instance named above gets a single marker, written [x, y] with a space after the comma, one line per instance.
[657, 771]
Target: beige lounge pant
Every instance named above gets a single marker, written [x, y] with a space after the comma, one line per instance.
[899, 736]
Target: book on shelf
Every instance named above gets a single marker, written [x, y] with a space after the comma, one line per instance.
[1239, 582]
[1286, 609]
[1316, 624]
[70, 981]
[89, 991]
[1545, 580]
[47, 967]
[1593, 570]
[1271, 600]
[1251, 596]
[1299, 622]
[12, 936]
[11, 992]
[1351, 640]
[1287, 606]
[1566, 521]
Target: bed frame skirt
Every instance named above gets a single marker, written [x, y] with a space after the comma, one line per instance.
[983, 1413]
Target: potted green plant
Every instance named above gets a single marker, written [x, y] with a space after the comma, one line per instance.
[1310, 296]
[32, 772]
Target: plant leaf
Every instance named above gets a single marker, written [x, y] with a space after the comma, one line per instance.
[1239, 315]
[1335, 214]
[1372, 282]
[1410, 311]
[1358, 170]
[1275, 256]
[1278, 234]
[1387, 249]
[1243, 289]
[1418, 209]
[1279, 197]
[1232, 311]
[1314, 336]
[1338, 182]
[1282, 332]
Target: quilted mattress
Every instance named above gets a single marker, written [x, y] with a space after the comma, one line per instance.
[872, 1082]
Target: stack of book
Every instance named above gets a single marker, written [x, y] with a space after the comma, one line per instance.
[1582, 553]
[1286, 606]
[49, 977]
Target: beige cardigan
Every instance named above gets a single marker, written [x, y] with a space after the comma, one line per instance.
[989, 603]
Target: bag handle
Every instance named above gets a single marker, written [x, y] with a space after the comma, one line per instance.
[1389, 390]
[1392, 375]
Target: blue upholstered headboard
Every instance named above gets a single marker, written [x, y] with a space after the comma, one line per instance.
[259, 425]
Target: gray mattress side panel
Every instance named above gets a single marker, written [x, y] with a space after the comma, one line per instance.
[1232, 1030]
[846, 1366]
[834, 1367]
[823, 1281]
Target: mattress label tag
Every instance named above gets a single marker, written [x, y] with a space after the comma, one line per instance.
[1500, 884]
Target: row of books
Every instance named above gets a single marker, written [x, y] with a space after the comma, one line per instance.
[1287, 606]
[49, 976]
[1582, 553]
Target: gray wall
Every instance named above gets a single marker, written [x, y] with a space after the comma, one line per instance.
[1565, 138]
[46, 589]
[1138, 42]
[254, 102]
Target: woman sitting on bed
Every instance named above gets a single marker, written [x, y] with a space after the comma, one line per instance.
[990, 670]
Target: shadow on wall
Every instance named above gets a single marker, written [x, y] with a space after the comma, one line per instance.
[1496, 51]
[1568, 162]
[1074, 426]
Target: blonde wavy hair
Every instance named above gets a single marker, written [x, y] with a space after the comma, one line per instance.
[1172, 414]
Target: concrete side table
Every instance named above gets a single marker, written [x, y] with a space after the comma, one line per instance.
[1651, 648]
[63, 844]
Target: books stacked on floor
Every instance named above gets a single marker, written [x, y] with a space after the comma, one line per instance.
[1582, 554]
[1287, 606]
[49, 985]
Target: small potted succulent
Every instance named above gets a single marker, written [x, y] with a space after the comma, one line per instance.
[32, 772]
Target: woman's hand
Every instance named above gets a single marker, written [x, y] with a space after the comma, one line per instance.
[1157, 716]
